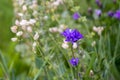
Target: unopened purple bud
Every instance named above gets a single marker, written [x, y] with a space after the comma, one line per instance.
[74, 61]
[76, 16]
[90, 10]
[97, 1]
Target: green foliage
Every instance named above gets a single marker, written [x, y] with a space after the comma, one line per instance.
[6, 20]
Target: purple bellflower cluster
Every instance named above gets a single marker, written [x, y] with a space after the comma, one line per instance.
[117, 14]
[72, 35]
[110, 13]
[114, 14]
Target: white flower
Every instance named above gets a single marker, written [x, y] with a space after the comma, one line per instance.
[91, 73]
[32, 21]
[84, 56]
[33, 6]
[56, 3]
[34, 44]
[20, 14]
[34, 1]
[14, 39]
[61, 28]
[65, 45]
[17, 22]
[29, 29]
[19, 33]
[14, 29]
[74, 45]
[36, 36]
[45, 17]
[34, 13]
[54, 29]
[98, 30]
[20, 2]
[23, 22]
[23, 27]
[24, 7]
[93, 43]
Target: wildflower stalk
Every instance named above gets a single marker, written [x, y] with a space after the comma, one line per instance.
[4, 66]
[75, 69]
[72, 51]
[56, 43]
[40, 70]
[91, 64]
[117, 42]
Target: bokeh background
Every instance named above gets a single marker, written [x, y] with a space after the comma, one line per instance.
[11, 64]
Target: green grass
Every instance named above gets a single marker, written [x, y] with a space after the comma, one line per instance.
[6, 19]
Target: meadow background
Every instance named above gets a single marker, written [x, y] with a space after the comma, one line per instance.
[18, 64]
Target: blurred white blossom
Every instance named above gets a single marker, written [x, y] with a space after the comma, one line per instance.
[24, 7]
[65, 44]
[14, 29]
[74, 45]
[29, 29]
[36, 36]
[98, 30]
[24, 22]
[19, 33]
[14, 39]
[32, 21]
[93, 43]
[53, 29]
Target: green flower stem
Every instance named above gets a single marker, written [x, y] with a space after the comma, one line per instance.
[56, 43]
[4, 66]
[90, 65]
[72, 51]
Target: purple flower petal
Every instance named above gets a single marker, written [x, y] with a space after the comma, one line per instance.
[117, 14]
[74, 61]
[76, 16]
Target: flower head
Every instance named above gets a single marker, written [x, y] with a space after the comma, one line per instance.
[72, 35]
[74, 61]
[117, 14]
[110, 13]
[98, 12]
[98, 3]
[76, 16]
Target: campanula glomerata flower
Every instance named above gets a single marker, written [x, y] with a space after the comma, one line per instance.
[110, 13]
[117, 14]
[74, 61]
[98, 12]
[76, 16]
[98, 3]
[72, 35]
